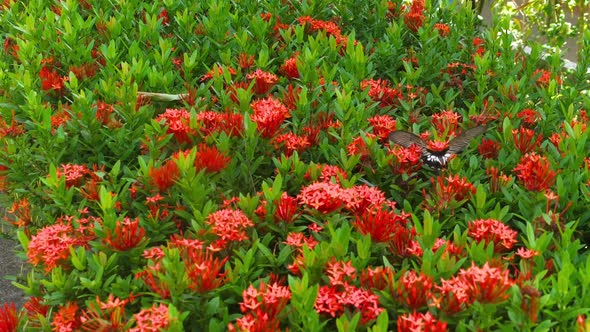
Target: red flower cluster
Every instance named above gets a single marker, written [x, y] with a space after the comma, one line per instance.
[15, 128]
[358, 146]
[529, 116]
[324, 197]
[359, 199]
[73, 174]
[67, 318]
[489, 149]
[406, 160]
[262, 308]
[290, 143]
[51, 245]
[383, 125]
[229, 225]
[269, 114]
[384, 226]
[151, 319]
[493, 231]
[127, 235]
[230, 123]
[165, 176]
[289, 68]
[380, 91]
[330, 28]
[524, 139]
[8, 318]
[535, 172]
[443, 29]
[178, 121]
[414, 18]
[414, 290]
[51, 80]
[543, 77]
[446, 122]
[264, 81]
[497, 179]
[210, 159]
[420, 322]
[449, 190]
[333, 300]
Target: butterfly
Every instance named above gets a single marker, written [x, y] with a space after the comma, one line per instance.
[436, 159]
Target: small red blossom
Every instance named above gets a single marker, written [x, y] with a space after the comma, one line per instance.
[333, 301]
[104, 113]
[177, 121]
[324, 197]
[450, 190]
[8, 318]
[383, 225]
[203, 269]
[524, 139]
[14, 129]
[152, 319]
[289, 68]
[529, 116]
[210, 159]
[359, 146]
[380, 91]
[264, 81]
[498, 179]
[263, 308]
[535, 173]
[286, 209]
[489, 149]
[443, 29]
[51, 80]
[245, 61]
[165, 176]
[340, 273]
[73, 174]
[127, 235]
[164, 16]
[543, 77]
[406, 160]
[420, 322]
[414, 289]
[358, 199]
[486, 284]
[230, 123]
[437, 146]
[66, 319]
[414, 18]
[493, 231]
[446, 122]
[217, 71]
[229, 225]
[269, 114]
[290, 143]
[298, 240]
[383, 125]
[377, 278]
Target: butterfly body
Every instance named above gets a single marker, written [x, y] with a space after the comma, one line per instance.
[436, 159]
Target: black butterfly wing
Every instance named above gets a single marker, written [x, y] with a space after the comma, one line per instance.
[460, 142]
[406, 139]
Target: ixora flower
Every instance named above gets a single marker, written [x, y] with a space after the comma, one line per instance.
[493, 231]
[264, 81]
[229, 225]
[127, 234]
[177, 121]
[51, 246]
[8, 318]
[269, 114]
[414, 18]
[406, 160]
[524, 139]
[383, 125]
[380, 91]
[263, 308]
[414, 290]
[230, 123]
[73, 174]
[384, 225]
[152, 319]
[417, 322]
[360, 198]
[334, 300]
[324, 197]
[446, 122]
[535, 173]
[486, 284]
[67, 319]
[163, 177]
